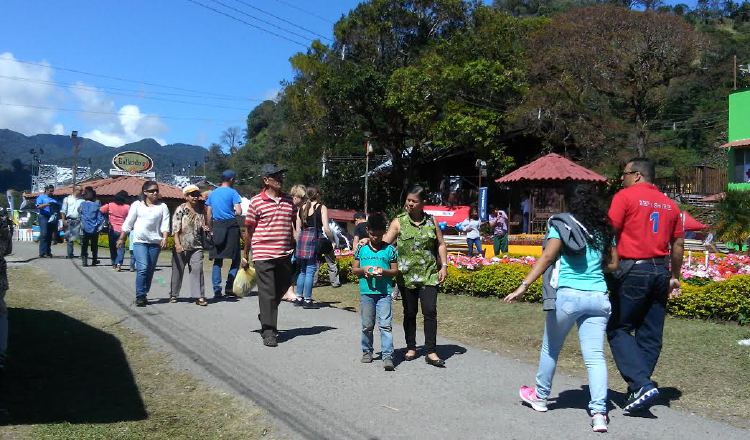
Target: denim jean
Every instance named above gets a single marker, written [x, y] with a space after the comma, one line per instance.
[73, 232]
[116, 255]
[590, 311]
[216, 274]
[305, 279]
[45, 236]
[146, 255]
[474, 244]
[635, 330]
[378, 307]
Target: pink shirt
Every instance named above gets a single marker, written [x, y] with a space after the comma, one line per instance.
[117, 214]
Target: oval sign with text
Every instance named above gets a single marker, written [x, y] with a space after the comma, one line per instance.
[132, 162]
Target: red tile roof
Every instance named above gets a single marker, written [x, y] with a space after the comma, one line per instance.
[111, 186]
[739, 143]
[341, 215]
[551, 167]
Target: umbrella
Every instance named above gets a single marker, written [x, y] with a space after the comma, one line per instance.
[691, 224]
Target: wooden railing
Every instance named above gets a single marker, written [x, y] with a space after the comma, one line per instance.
[698, 180]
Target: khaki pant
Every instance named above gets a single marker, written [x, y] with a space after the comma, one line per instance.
[193, 259]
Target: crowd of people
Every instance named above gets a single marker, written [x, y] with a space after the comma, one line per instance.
[607, 271]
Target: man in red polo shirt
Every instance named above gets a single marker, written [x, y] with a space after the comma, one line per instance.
[650, 246]
[269, 232]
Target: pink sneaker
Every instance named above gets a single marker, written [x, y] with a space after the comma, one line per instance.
[529, 396]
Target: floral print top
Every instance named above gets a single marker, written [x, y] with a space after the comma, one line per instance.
[187, 223]
[417, 251]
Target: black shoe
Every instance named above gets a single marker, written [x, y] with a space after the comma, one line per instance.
[270, 340]
[641, 399]
[388, 364]
[48, 255]
[84, 263]
[95, 262]
[229, 293]
[141, 301]
[308, 304]
[435, 363]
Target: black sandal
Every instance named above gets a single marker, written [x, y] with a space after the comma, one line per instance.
[201, 301]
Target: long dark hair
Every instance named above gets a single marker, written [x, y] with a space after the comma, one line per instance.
[586, 203]
[121, 198]
[146, 185]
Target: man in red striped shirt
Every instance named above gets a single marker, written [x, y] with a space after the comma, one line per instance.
[269, 232]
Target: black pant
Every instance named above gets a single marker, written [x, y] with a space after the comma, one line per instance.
[89, 240]
[427, 295]
[274, 279]
[636, 325]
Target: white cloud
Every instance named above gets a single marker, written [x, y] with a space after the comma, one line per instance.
[26, 97]
[58, 129]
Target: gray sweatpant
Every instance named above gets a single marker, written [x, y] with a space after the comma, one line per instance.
[194, 261]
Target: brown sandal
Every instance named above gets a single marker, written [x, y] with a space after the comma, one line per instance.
[408, 357]
[201, 301]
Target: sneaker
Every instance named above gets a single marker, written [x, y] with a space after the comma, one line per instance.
[298, 302]
[388, 364]
[599, 422]
[641, 399]
[270, 340]
[308, 304]
[529, 396]
[141, 301]
[366, 357]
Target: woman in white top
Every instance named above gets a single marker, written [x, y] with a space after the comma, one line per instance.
[473, 237]
[148, 219]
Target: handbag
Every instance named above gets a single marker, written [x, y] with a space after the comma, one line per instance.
[206, 239]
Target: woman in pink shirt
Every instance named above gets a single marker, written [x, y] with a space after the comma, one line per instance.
[116, 211]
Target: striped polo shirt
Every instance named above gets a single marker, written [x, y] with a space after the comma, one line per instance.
[270, 222]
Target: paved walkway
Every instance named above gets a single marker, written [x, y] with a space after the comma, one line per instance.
[314, 386]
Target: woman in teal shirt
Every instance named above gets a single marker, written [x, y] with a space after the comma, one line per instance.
[581, 296]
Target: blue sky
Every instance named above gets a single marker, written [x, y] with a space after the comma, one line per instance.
[173, 43]
[218, 67]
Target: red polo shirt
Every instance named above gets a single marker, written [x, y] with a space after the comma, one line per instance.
[646, 221]
[270, 221]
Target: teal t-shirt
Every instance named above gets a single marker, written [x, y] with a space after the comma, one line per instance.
[581, 271]
[383, 257]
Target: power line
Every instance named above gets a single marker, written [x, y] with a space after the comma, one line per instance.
[71, 110]
[305, 11]
[137, 94]
[260, 19]
[282, 19]
[116, 78]
[246, 23]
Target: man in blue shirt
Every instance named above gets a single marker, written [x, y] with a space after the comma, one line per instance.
[222, 209]
[49, 209]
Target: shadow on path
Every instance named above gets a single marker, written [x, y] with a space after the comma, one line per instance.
[579, 398]
[288, 335]
[444, 352]
[63, 370]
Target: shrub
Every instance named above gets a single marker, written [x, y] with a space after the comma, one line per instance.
[345, 271]
[726, 300]
[104, 241]
[496, 280]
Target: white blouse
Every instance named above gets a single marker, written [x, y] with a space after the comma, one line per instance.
[148, 223]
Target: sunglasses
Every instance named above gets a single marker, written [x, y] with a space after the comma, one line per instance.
[194, 194]
[625, 173]
[152, 191]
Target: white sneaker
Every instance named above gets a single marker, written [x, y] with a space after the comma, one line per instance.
[599, 422]
[528, 395]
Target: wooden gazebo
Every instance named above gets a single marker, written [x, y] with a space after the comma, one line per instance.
[544, 179]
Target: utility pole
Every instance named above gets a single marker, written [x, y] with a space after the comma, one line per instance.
[368, 150]
[76, 144]
[735, 73]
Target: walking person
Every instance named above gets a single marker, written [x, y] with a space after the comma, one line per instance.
[376, 264]
[473, 236]
[422, 260]
[581, 241]
[49, 209]
[6, 247]
[299, 196]
[117, 212]
[360, 229]
[69, 216]
[222, 209]
[269, 229]
[148, 219]
[651, 246]
[312, 216]
[499, 225]
[188, 228]
[92, 221]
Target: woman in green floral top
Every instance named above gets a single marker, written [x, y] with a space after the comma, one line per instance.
[422, 259]
[188, 224]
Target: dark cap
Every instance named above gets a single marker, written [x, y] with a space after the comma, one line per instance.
[50, 186]
[270, 169]
[228, 175]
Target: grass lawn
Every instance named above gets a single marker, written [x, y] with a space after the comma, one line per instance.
[74, 372]
[702, 369]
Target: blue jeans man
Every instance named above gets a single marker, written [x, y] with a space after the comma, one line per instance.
[146, 255]
[46, 231]
[377, 307]
[216, 274]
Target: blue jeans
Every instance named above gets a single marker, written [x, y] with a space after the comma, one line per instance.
[590, 311]
[116, 255]
[474, 243]
[635, 331]
[307, 269]
[45, 236]
[146, 255]
[216, 274]
[372, 307]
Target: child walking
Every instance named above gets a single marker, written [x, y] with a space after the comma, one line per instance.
[376, 264]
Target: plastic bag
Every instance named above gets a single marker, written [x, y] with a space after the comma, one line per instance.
[244, 281]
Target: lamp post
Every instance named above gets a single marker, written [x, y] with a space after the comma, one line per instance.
[368, 151]
[76, 145]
